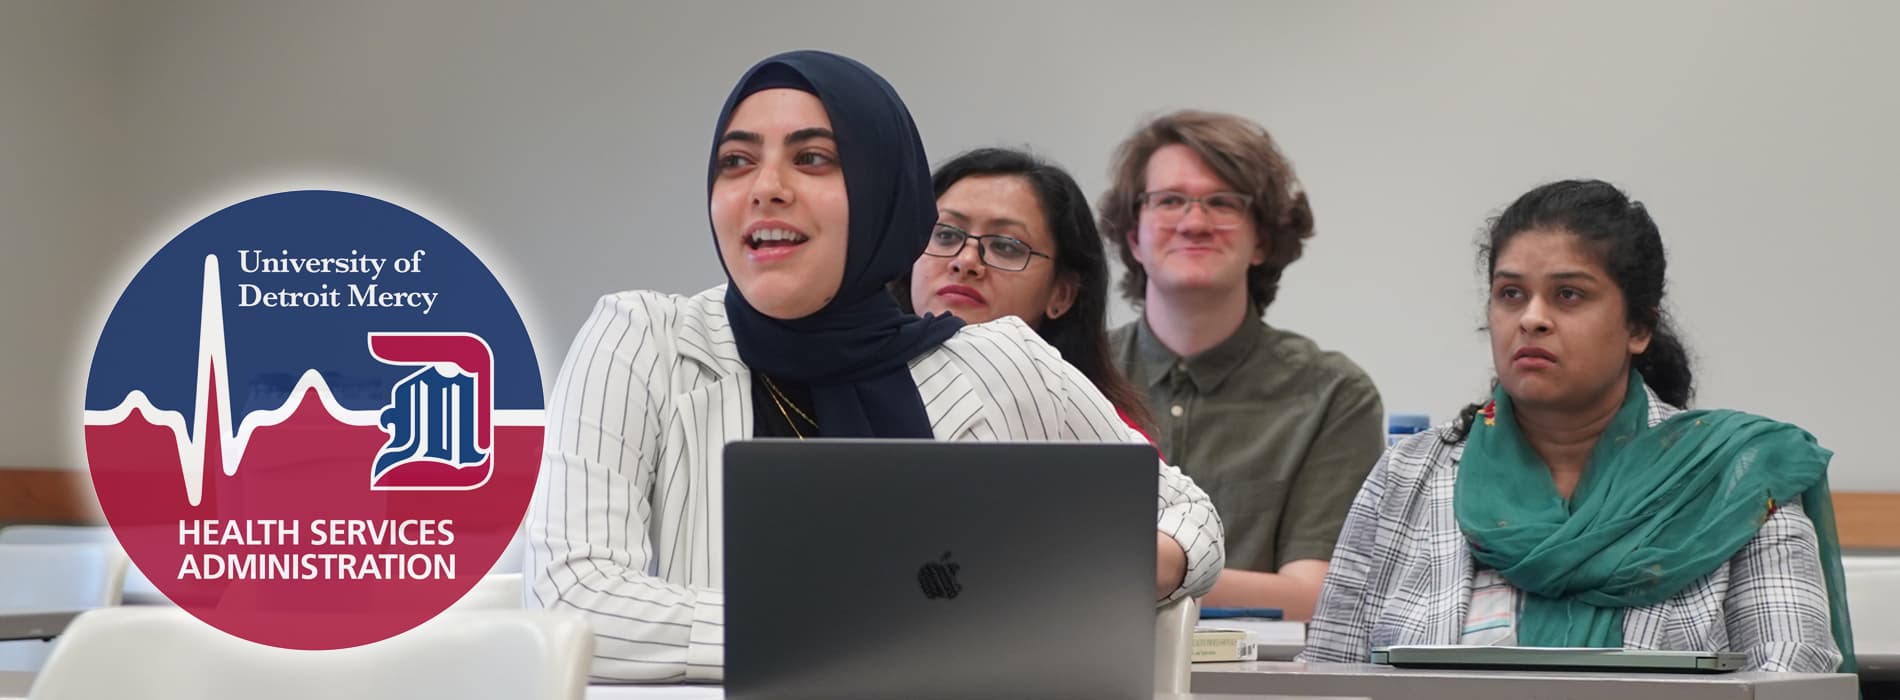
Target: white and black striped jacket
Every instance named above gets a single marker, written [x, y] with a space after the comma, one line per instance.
[625, 525]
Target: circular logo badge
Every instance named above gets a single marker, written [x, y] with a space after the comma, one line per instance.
[314, 420]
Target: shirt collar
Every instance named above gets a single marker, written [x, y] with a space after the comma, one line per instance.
[1206, 370]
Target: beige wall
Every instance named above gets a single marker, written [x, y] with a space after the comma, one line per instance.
[62, 205]
[567, 144]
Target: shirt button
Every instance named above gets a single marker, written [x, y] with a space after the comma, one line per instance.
[1176, 411]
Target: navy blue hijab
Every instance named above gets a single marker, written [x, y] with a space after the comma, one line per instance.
[855, 352]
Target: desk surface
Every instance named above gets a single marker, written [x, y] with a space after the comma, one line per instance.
[34, 624]
[1878, 665]
[1381, 682]
[1262, 680]
[684, 692]
[14, 684]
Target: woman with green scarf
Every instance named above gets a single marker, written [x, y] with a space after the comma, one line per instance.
[1581, 505]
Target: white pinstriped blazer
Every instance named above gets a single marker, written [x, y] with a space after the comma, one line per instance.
[1401, 574]
[626, 521]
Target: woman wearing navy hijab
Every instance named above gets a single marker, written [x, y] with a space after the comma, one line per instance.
[819, 196]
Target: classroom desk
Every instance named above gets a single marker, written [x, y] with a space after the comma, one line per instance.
[1878, 666]
[1382, 682]
[682, 692]
[1278, 652]
[14, 684]
[34, 624]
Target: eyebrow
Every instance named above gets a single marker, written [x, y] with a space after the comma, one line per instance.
[1183, 188]
[995, 221]
[799, 136]
[741, 136]
[1559, 275]
[809, 133]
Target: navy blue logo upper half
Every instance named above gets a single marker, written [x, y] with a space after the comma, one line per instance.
[303, 277]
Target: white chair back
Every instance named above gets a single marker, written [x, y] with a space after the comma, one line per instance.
[57, 534]
[493, 592]
[138, 590]
[60, 577]
[54, 577]
[1174, 644]
[1871, 604]
[163, 653]
[513, 559]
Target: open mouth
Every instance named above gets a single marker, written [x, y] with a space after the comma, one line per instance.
[774, 238]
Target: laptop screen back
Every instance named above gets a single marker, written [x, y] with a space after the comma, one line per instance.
[919, 569]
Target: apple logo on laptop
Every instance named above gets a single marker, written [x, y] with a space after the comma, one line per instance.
[939, 578]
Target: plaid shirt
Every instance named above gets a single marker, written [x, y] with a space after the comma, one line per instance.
[1402, 575]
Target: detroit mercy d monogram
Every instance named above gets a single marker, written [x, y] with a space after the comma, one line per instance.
[439, 418]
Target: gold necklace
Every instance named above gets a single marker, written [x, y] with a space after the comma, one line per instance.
[781, 400]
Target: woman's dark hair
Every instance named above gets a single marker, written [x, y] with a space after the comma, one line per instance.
[1079, 334]
[1629, 246]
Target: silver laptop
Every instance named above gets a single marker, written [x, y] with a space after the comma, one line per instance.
[34, 624]
[1559, 659]
[923, 569]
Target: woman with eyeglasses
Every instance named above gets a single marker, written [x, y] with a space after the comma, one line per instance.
[819, 196]
[1015, 237]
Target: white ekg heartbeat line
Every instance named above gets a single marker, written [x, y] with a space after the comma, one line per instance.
[211, 370]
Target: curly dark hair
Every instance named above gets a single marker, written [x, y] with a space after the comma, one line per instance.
[1628, 244]
[1246, 158]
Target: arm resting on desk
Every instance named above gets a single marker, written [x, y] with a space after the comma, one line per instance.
[1294, 589]
[646, 630]
[1349, 442]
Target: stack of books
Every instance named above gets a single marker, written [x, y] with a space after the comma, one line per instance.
[1246, 634]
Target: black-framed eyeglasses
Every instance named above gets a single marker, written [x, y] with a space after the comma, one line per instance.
[997, 251]
[1224, 209]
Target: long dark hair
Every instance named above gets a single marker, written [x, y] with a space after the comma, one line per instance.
[1629, 246]
[1080, 334]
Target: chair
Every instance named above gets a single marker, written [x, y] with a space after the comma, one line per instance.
[1174, 644]
[1871, 604]
[493, 592]
[57, 534]
[54, 577]
[60, 576]
[163, 653]
[139, 590]
[514, 559]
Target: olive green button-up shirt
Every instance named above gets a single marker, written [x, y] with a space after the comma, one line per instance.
[1277, 431]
